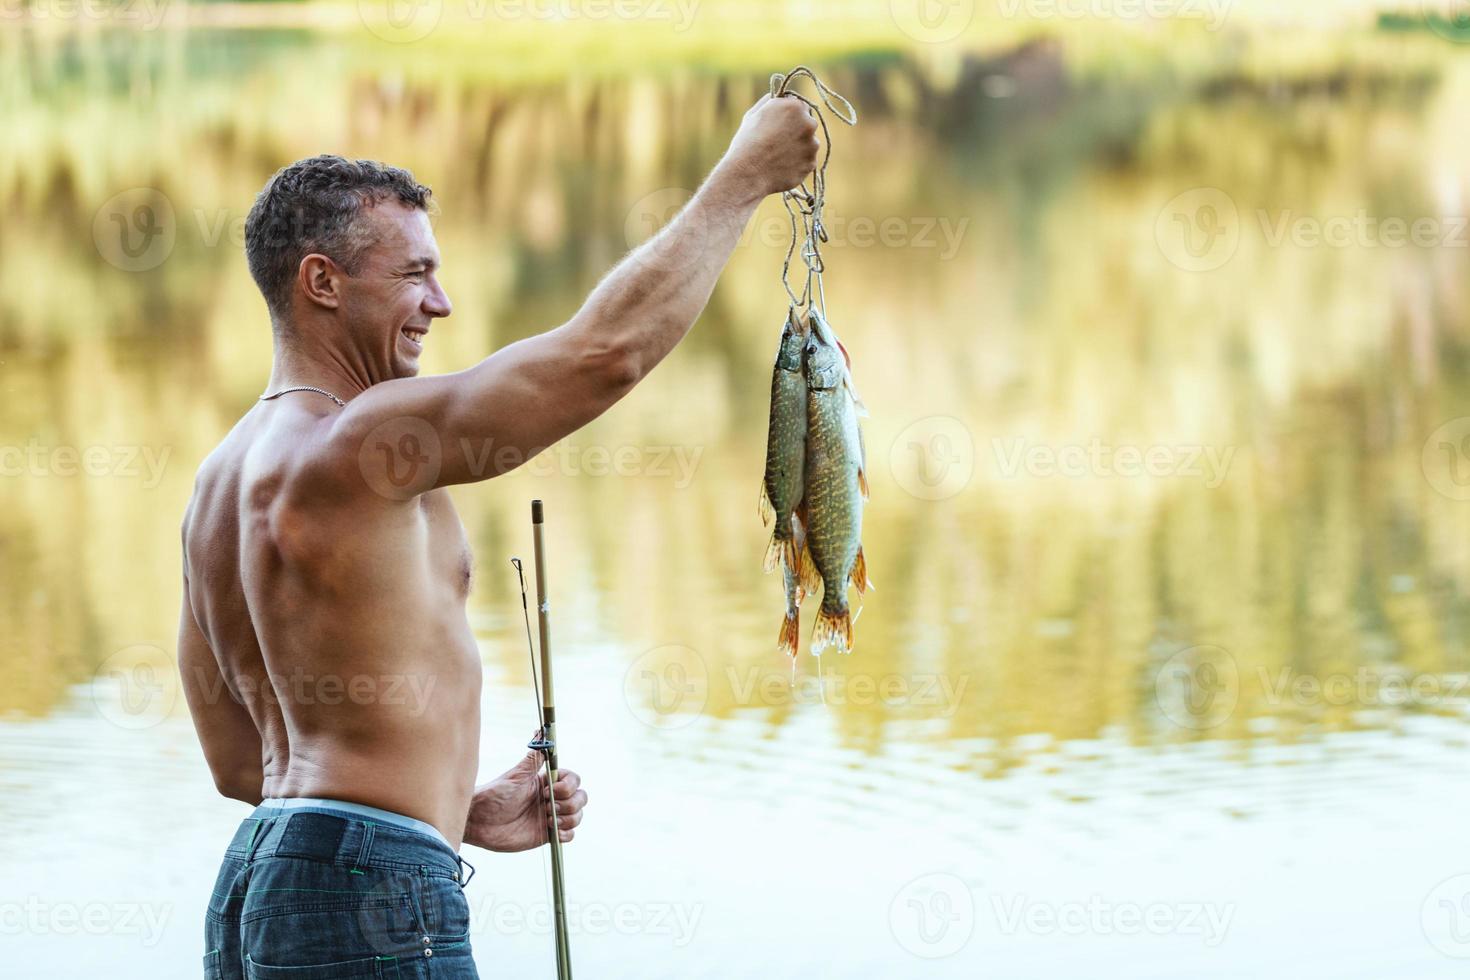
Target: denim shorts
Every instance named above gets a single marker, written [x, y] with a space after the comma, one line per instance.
[317, 894]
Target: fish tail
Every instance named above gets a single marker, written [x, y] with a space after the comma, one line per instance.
[834, 628]
[790, 633]
[859, 574]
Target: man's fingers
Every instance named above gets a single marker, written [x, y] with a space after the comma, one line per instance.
[568, 820]
[567, 783]
[572, 804]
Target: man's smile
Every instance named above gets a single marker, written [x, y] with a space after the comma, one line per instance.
[414, 337]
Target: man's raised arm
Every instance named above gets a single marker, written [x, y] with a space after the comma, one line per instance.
[478, 423]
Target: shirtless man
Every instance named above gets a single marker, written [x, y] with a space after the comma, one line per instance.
[325, 653]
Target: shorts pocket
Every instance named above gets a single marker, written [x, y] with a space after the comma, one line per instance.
[345, 970]
[211, 966]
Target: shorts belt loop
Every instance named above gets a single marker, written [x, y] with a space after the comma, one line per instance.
[365, 849]
[257, 837]
[463, 881]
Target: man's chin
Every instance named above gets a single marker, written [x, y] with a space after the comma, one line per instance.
[406, 369]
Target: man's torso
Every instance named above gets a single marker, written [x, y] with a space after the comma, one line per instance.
[338, 620]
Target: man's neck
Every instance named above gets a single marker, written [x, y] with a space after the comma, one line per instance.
[299, 362]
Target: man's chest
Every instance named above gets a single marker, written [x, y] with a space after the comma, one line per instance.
[448, 555]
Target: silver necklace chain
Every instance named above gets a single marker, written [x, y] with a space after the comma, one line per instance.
[319, 391]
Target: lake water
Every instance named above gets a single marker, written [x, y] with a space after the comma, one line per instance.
[1168, 366]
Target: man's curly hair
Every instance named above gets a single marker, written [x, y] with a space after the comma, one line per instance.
[313, 206]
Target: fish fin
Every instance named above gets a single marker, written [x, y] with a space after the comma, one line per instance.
[766, 510]
[807, 572]
[846, 357]
[863, 482]
[780, 552]
[859, 573]
[790, 636]
[832, 629]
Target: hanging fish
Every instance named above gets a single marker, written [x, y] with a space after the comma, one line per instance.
[781, 486]
[836, 485]
[790, 636]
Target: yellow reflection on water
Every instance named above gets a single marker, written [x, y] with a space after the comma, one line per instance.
[1097, 447]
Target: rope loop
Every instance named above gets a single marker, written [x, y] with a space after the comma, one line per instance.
[802, 205]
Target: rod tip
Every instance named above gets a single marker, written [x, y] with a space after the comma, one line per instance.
[535, 512]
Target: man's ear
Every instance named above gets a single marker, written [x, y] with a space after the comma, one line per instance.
[321, 280]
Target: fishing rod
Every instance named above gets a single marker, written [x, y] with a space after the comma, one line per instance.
[545, 740]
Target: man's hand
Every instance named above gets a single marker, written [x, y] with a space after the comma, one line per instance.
[509, 812]
[775, 147]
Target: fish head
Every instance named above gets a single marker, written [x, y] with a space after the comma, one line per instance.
[788, 357]
[825, 367]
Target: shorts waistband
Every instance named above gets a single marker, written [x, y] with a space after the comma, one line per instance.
[275, 806]
[321, 830]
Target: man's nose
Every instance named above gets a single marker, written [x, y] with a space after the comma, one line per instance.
[437, 302]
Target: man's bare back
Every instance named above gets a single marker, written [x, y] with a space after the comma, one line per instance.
[360, 640]
[323, 642]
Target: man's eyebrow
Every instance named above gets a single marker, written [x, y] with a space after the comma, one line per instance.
[427, 261]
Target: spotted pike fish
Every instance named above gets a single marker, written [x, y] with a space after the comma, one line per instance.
[781, 487]
[790, 635]
[836, 485]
